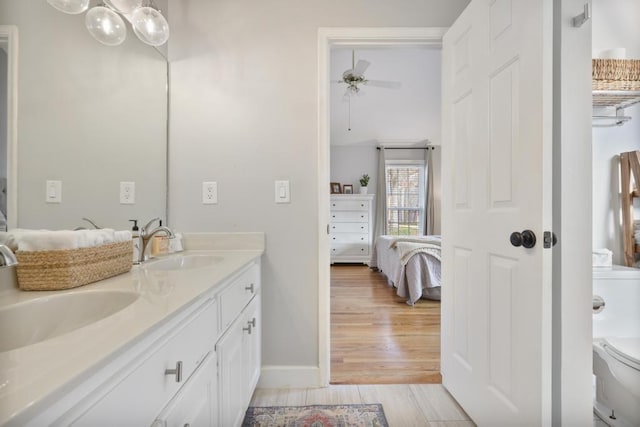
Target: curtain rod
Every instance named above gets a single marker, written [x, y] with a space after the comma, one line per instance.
[430, 147]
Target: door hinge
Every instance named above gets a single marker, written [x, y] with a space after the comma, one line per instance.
[549, 239]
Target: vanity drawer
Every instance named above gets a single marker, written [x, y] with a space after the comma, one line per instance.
[147, 388]
[238, 294]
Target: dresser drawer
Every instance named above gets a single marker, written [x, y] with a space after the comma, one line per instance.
[350, 227]
[343, 249]
[350, 205]
[350, 238]
[237, 295]
[349, 216]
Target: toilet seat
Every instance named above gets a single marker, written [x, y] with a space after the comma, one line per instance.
[625, 350]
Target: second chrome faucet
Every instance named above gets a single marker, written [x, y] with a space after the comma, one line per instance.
[146, 234]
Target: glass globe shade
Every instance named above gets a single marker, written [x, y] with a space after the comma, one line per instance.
[126, 7]
[106, 26]
[72, 7]
[150, 26]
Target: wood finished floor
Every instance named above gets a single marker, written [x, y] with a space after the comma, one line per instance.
[376, 338]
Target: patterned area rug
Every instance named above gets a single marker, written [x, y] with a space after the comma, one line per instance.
[368, 415]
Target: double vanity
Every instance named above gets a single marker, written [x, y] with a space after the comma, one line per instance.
[173, 342]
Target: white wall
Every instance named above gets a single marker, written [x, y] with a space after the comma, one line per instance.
[614, 25]
[3, 129]
[244, 113]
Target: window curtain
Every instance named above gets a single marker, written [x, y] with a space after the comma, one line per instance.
[429, 210]
[381, 205]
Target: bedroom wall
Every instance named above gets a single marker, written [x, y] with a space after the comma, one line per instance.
[613, 27]
[244, 113]
[348, 163]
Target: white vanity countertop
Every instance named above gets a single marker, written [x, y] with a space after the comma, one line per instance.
[33, 374]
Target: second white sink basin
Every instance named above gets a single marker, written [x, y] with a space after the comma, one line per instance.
[186, 262]
[40, 319]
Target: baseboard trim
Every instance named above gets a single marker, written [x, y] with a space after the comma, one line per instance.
[289, 377]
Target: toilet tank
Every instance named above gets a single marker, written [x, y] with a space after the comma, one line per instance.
[619, 287]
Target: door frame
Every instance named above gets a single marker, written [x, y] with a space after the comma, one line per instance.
[328, 37]
[9, 43]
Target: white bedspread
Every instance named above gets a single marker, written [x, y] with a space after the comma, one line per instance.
[411, 264]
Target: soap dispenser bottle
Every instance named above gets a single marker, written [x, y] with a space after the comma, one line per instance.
[137, 241]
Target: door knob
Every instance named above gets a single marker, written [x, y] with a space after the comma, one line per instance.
[527, 239]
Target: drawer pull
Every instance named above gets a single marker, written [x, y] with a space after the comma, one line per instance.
[249, 288]
[248, 328]
[252, 322]
[177, 372]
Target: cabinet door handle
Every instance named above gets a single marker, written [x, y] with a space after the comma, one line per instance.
[249, 288]
[252, 322]
[248, 328]
[177, 371]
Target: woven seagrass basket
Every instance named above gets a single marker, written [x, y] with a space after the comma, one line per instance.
[70, 268]
[616, 74]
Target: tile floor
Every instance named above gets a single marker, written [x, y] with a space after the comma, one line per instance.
[406, 405]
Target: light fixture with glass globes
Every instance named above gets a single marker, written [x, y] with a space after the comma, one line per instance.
[107, 26]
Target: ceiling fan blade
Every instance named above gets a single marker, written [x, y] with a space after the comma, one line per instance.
[382, 83]
[361, 67]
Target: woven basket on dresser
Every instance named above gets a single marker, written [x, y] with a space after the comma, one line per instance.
[70, 268]
[616, 74]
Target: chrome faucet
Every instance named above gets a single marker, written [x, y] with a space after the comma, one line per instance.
[146, 234]
[7, 258]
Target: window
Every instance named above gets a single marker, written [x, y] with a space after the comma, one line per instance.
[405, 197]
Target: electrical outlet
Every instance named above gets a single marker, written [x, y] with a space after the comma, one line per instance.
[127, 193]
[209, 193]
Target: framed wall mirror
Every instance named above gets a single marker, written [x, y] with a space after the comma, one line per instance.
[87, 115]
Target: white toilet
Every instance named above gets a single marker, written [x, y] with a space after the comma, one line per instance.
[616, 345]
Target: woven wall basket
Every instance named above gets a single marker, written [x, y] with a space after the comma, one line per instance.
[70, 268]
[616, 74]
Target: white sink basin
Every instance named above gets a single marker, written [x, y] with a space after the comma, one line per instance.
[187, 262]
[37, 320]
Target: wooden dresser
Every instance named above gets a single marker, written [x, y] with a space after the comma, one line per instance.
[351, 227]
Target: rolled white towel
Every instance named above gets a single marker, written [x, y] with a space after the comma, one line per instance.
[602, 258]
[44, 240]
[49, 240]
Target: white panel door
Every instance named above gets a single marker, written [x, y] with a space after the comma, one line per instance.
[496, 326]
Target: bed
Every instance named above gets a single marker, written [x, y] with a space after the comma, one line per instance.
[411, 264]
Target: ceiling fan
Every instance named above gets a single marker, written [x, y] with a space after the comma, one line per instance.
[354, 77]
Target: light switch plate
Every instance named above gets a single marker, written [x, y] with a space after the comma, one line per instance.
[209, 193]
[53, 192]
[283, 192]
[127, 193]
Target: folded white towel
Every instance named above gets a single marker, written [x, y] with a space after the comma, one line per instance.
[44, 240]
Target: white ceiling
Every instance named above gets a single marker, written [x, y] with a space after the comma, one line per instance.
[381, 115]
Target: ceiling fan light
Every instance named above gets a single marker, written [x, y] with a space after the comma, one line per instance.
[106, 26]
[150, 26]
[72, 7]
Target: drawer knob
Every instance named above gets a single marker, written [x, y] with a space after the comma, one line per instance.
[249, 288]
[177, 371]
[248, 328]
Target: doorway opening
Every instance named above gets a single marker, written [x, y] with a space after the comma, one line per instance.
[346, 120]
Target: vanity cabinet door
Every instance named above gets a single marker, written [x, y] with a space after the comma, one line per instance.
[252, 348]
[232, 389]
[196, 403]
